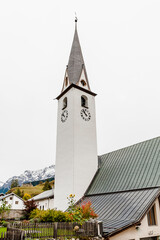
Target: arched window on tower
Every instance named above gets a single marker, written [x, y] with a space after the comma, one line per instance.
[84, 101]
[64, 103]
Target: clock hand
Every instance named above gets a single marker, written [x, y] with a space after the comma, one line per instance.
[85, 114]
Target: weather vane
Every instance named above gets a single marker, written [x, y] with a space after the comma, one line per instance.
[76, 19]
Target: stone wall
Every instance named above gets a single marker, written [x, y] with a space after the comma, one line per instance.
[12, 214]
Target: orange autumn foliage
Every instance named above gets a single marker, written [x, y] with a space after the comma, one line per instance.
[87, 211]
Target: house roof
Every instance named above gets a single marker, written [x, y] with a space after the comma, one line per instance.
[10, 194]
[131, 168]
[126, 185]
[45, 194]
[118, 211]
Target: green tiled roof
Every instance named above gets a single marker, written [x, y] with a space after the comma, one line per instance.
[120, 210]
[130, 168]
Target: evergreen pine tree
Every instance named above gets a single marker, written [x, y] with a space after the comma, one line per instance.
[47, 186]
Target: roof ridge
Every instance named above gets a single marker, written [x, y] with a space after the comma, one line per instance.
[128, 146]
[123, 191]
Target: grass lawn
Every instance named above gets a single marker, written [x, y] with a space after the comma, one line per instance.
[44, 233]
[2, 230]
[40, 232]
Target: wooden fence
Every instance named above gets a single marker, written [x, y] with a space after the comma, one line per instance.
[13, 234]
[3, 236]
[58, 230]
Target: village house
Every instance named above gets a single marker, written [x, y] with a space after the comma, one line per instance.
[16, 205]
[45, 200]
[124, 185]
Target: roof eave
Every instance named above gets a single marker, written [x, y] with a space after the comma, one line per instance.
[77, 87]
[134, 223]
[12, 193]
[121, 229]
[43, 198]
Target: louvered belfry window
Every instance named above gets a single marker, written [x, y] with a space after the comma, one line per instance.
[64, 103]
[151, 216]
[84, 101]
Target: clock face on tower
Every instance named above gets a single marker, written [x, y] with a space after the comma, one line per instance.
[85, 114]
[64, 115]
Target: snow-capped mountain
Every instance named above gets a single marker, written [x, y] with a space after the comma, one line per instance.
[29, 176]
[1, 184]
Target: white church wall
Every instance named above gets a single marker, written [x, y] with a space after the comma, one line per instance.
[76, 156]
[85, 145]
[143, 231]
[64, 153]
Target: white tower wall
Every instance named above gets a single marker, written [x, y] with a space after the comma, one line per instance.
[76, 153]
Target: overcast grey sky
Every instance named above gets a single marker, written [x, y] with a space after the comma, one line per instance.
[120, 42]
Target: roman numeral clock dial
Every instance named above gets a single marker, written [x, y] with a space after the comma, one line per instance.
[64, 115]
[85, 114]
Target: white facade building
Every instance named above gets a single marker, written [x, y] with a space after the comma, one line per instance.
[14, 201]
[45, 200]
[16, 206]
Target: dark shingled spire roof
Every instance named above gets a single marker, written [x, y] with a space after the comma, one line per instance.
[76, 61]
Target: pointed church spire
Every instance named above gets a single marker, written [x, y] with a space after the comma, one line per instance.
[76, 61]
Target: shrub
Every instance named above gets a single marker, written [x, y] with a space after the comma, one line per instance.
[34, 220]
[23, 218]
[25, 221]
[60, 216]
[80, 213]
[49, 215]
[26, 196]
[4, 208]
[4, 223]
[75, 213]
[87, 211]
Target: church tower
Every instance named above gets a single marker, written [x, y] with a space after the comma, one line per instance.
[76, 151]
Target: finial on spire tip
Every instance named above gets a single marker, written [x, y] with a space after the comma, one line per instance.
[76, 19]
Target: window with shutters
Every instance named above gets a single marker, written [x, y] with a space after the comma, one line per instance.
[151, 216]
